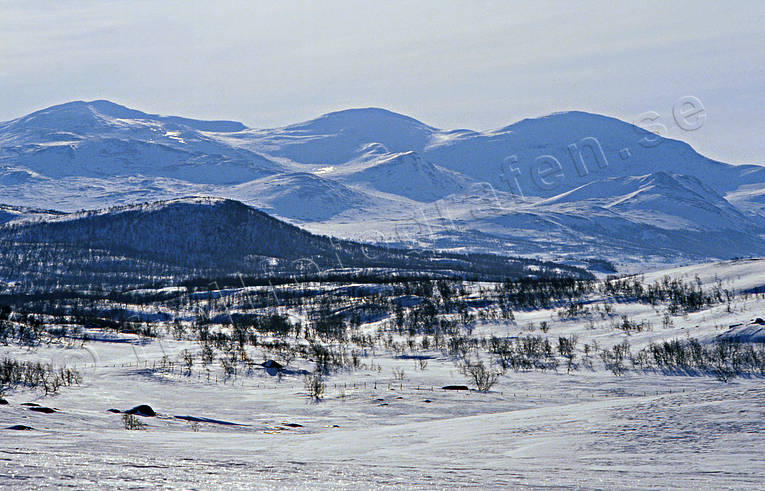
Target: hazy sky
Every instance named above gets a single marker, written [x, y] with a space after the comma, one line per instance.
[478, 65]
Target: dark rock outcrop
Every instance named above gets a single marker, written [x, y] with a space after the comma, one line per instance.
[455, 387]
[43, 409]
[20, 428]
[142, 410]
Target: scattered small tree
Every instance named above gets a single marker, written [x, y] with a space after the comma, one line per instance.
[567, 349]
[614, 358]
[484, 377]
[314, 385]
[132, 423]
[188, 360]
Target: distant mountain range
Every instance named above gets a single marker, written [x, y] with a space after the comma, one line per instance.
[570, 186]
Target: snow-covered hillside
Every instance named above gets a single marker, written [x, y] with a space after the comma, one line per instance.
[220, 419]
[100, 139]
[406, 174]
[208, 237]
[566, 186]
[19, 214]
[301, 196]
[342, 136]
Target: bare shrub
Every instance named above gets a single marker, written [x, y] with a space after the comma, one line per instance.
[187, 360]
[567, 349]
[208, 354]
[614, 358]
[36, 375]
[314, 385]
[483, 376]
[132, 423]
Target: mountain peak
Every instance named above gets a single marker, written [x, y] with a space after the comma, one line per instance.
[366, 121]
[342, 136]
[197, 203]
[75, 116]
[368, 115]
[100, 106]
[567, 118]
[84, 116]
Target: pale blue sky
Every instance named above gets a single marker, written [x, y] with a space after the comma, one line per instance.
[479, 65]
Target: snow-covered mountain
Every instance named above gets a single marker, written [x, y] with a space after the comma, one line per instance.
[302, 196]
[406, 174]
[342, 136]
[627, 150]
[101, 139]
[570, 185]
[670, 201]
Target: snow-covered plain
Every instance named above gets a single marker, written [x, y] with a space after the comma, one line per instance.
[586, 429]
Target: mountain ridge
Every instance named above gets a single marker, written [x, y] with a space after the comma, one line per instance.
[373, 171]
[92, 109]
[199, 236]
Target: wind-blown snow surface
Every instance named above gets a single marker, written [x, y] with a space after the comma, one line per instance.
[567, 186]
[540, 430]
